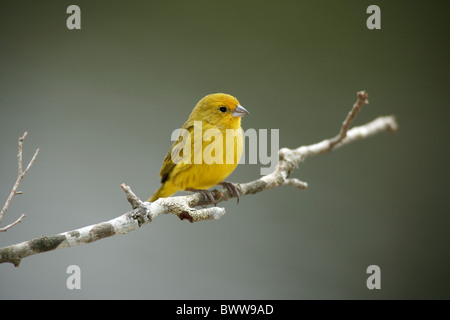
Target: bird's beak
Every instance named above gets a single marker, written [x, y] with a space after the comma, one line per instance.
[239, 112]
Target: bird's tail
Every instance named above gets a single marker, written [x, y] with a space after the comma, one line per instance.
[167, 189]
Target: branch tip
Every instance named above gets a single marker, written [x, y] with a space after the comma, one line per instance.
[296, 183]
[20, 175]
[23, 137]
[131, 197]
[362, 96]
[392, 124]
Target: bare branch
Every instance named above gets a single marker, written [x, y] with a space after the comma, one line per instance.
[362, 100]
[19, 155]
[184, 206]
[296, 183]
[20, 175]
[9, 226]
[144, 213]
[131, 197]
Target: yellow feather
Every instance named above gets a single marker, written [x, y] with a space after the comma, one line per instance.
[210, 113]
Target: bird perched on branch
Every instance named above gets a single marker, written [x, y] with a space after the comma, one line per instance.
[207, 151]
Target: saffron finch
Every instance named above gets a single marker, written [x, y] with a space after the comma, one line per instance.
[196, 171]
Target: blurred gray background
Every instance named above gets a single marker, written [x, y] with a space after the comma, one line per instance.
[101, 103]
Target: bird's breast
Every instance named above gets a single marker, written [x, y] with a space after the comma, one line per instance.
[213, 162]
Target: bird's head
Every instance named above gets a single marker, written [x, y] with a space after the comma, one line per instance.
[219, 109]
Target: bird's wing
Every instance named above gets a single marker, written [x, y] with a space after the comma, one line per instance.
[167, 167]
[176, 149]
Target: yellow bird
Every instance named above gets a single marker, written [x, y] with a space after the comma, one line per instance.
[201, 159]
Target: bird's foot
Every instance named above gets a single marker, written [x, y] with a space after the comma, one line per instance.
[232, 188]
[206, 194]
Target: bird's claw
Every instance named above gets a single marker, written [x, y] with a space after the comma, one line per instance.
[207, 195]
[232, 188]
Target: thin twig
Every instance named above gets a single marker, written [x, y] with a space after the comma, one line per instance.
[9, 226]
[20, 175]
[362, 100]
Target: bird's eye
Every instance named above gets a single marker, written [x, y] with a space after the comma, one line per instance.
[223, 109]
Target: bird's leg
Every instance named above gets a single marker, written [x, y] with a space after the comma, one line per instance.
[207, 195]
[232, 188]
